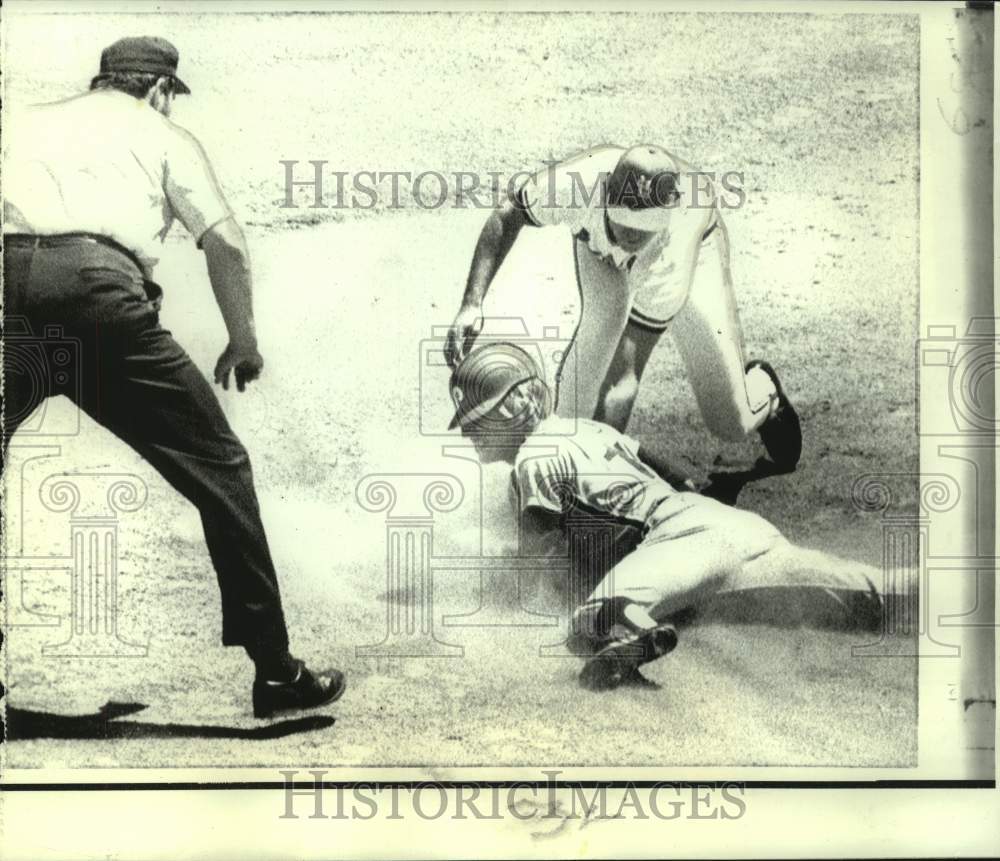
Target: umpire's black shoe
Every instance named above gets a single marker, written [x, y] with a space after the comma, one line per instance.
[305, 691]
[781, 433]
[628, 651]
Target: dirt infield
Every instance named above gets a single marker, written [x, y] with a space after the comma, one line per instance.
[819, 113]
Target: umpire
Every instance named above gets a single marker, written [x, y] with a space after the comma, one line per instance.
[92, 186]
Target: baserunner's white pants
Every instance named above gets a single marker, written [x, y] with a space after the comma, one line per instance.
[702, 549]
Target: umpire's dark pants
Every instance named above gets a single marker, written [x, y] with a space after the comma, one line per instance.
[135, 380]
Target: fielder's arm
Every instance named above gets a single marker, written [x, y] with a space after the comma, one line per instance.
[495, 241]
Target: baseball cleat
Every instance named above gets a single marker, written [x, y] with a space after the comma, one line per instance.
[307, 690]
[865, 611]
[781, 432]
[618, 661]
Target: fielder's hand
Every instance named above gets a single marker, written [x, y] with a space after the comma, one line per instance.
[245, 361]
[462, 334]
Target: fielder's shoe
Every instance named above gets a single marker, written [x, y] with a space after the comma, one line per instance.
[781, 433]
[625, 653]
[305, 691]
[865, 610]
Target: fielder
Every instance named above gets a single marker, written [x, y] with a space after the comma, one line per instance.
[693, 549]
[652, 254]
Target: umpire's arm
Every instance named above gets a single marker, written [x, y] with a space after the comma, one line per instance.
[196, 197]
[229, 272]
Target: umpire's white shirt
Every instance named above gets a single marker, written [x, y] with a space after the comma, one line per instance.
[106, 163]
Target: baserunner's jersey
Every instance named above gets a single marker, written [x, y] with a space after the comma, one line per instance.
[589, 467]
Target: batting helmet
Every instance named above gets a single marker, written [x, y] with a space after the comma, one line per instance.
[485, 377]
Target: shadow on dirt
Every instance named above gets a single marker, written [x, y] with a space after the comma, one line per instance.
[24, 724]
[813, 607]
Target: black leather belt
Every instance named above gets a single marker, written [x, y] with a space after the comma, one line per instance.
[56, 240]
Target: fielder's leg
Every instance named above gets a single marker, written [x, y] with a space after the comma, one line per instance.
[735, 398]
[621, 383]
[604, 301]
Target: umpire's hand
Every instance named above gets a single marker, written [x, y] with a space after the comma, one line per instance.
[244, 360]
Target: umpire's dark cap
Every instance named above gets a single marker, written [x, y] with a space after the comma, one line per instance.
[148, 54]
